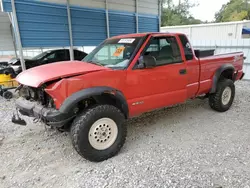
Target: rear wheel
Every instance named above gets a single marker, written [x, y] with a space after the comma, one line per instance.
[222, 100]
[99, 133]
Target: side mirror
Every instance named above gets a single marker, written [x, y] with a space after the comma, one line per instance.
[149, 61]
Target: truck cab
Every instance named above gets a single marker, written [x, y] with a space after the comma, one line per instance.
[124, 77]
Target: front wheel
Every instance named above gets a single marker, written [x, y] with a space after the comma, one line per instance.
[223, 98]
[99, 133]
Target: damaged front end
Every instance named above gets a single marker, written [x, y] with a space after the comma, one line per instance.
[44, 88]
[36, 103]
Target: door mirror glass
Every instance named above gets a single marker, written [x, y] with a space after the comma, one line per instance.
[149, 61]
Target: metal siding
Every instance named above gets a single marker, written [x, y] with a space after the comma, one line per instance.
[223, 31]
[121, 23]
[148, 23]
[214, 32]
[42, 24]
[53, 1]
[82, 3]
[148, 7]
[7, 5]
[122, 5]
[6, 41]
[88, 25]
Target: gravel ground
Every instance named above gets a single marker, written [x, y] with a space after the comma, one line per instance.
[188, 145]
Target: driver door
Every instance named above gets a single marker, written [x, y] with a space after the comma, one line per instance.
[160, 86]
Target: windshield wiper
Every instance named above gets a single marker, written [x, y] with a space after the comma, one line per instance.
[96, 63]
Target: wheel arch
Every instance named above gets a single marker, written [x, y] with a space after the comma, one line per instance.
[101, 94]
[227, 71]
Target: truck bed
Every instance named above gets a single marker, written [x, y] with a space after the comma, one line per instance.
[209, 65]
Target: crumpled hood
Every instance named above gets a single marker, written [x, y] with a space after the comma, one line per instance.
[37, 76]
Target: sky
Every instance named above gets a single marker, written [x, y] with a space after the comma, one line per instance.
[206, 8]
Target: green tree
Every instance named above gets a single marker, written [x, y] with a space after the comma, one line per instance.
[234, 10]
[177, 14]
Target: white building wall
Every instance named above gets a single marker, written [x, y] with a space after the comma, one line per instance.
[220, 31]
[223, 37]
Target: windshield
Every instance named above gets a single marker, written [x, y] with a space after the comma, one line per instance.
[39, 56]
[114, 53]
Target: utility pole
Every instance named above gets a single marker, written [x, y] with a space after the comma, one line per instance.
[71, 50]
[18, 37]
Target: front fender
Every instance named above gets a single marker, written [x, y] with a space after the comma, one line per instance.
[75, 98]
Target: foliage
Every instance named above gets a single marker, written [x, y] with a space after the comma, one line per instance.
[234, 10]
[177, 14]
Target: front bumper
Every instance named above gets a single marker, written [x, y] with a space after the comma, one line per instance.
[50, 116]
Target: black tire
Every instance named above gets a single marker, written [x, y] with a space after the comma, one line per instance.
[7, 95]
[80, 132]
[215, 100]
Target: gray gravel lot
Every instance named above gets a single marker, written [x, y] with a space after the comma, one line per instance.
[188, 145]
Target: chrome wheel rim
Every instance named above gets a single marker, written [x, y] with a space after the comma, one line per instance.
[103, 134]
[226, 95]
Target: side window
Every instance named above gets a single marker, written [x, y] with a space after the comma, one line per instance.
[187, 47]
[77, 55]
[51, 56]
[165, 50]
[61, 55]
[48, 58]
[55, 56]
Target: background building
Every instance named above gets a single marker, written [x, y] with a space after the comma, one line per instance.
[213, 31]
[224, 37]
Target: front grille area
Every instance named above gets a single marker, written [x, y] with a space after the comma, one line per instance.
[36, 94]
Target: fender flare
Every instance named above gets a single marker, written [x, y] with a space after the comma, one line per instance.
[70, 102]
[218, 73]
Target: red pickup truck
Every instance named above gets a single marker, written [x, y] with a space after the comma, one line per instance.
[123, 77]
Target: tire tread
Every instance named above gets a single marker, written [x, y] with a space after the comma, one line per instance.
[78, 124]
[215, 99]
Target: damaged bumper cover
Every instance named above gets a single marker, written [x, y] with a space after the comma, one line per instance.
[50, 116]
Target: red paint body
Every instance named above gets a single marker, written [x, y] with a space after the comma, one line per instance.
[154, 88]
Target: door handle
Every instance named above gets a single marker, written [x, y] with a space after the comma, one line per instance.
[183, 71]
